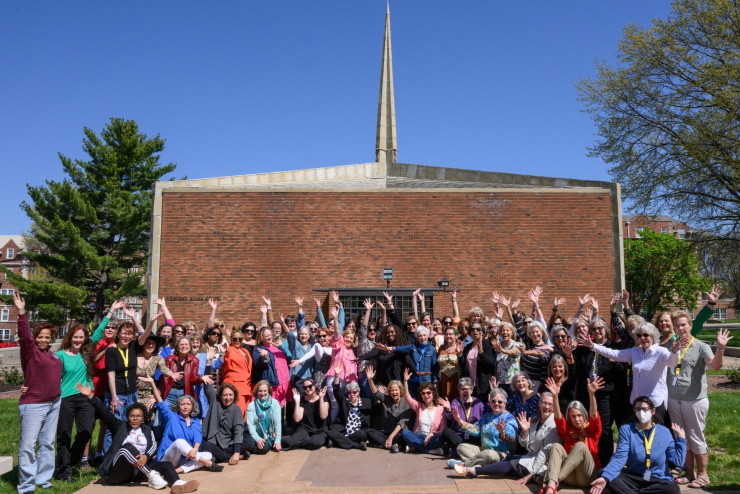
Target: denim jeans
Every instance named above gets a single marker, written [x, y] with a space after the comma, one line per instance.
[38, 423]
[416, 441]
[124, 401]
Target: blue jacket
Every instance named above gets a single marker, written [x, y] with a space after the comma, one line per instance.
[424, 363]
[175, 428]
[631, 452]
[264, 369]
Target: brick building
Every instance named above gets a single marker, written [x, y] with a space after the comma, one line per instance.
[633, 225]
[12, 258]
[305, 232]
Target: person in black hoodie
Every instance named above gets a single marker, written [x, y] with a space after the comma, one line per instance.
[133, 448]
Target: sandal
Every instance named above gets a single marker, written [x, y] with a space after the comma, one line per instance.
[462, 470]
[699, 483]
[684, 480]
[549, 489]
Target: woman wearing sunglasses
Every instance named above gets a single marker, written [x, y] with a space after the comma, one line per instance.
[349, 429]
[430, 419]
[309, 415]
[237, 370]
[478, 362]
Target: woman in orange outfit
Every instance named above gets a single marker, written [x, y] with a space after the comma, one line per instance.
[237, 370]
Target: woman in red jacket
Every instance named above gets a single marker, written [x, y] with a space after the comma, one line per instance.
[185, 362]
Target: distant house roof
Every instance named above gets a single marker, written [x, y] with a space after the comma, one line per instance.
[18, 239]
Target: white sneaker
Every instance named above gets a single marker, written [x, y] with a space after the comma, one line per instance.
[156, 481]
[181, 486]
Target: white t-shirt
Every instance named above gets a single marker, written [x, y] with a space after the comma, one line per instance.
[138, 439]
[426, 421]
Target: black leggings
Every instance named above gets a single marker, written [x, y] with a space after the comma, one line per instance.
[123, 470]
[302, 439]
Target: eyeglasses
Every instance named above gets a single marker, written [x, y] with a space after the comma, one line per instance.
[499, 402]
[412, 324]
[548, 405]
[308, 386]
[492, 327]
[642, 335]
[237, 339]
[352, 392]
[217, 326]
[475, 330]
[215, 334]
[249, 331]
[179, 331]
[372, 330]
[465, 389]
[323, 336]
[561, 336]
[598, 328]
[424, 393]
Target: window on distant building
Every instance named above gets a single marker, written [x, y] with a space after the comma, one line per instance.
[353, 305]
[664, 230]
[10, 253]
[5, 334]
[7, 291]
[638, 230]
[682, 233]
[5, 315]
[720, 314]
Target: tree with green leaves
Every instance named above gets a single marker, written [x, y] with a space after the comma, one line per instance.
[92, 228]
[662, 271]
[667, 115]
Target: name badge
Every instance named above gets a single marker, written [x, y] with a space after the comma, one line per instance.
[675, 380]
[466, 436]
[646, 475]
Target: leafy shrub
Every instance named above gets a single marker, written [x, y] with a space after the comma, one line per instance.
[12, 376]
[733, 375]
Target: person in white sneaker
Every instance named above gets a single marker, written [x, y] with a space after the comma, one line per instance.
[133, 449]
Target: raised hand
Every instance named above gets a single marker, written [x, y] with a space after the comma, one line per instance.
[500, 426]
[129, 312]
[495, 298]
[614, 301]
[338, 368]
[20, 302]
[380, 304]
[506, 302]
[335, 296]
[679, 344]
[553, 387]
[584, 300]
[524, 421]
[723, 336]
[558, 302]
[322, 392]
[160, 302]
[678, 430]
[383, 348]
[595, 385]
[594, 304]
[587, 314]
[84, 390]
[534, 294]
[120, 304]
[444, 402]
[317, 301]
[584, 340]
[713, 296]
[516, 303]
[454, 295]
[388, 298]
[368, 304]
[567, 348]
[298, 300]
[406, 374]
[213, 303]
[211, 353]
[493, 382]
[296, 396]
[625, 298]
[370, 372]
[156, 316]
[334, 312]
[263, 309]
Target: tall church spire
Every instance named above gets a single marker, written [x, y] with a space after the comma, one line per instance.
[385, 137]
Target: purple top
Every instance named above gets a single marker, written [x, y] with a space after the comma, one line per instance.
[42, 370]
[471, 412]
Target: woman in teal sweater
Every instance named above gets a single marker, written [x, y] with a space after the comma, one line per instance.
[264, 419]
[75, 408]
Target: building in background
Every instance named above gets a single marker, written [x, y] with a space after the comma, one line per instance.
[307, 231]
[12, 258]
[633, 225]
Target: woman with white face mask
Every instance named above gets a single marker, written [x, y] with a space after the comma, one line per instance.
[646, 448]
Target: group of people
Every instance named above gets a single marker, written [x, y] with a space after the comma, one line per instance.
[508, 393]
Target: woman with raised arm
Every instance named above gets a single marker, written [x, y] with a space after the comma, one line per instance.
[344, 361]
[133, 449]
[649, 363]
[688, 402]
[264, 421]
[237, 370]
[424, 357]
[646, 448]
[148, 362]
[394, 414]
[39, 405]
[508, 351]
[318, 358]
[182, 435]
[534, 361]
[210, 359]
[389, 365]
[310, 415]
[576, 461]
[426, 435]
[562, 371]
[523, 398]
[365, 343]
[478, 362]
[349, 429]
[270, 363]
[536, 436]
[496, 430]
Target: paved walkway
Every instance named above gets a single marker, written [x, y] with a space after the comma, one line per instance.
[336, 471]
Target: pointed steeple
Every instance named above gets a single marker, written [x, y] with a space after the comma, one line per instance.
[385, 137]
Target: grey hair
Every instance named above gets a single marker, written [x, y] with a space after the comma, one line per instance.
[578, 406]
[423, 329]
[353, 386]
[540, 326]
[194, 411]
[497, 391]
[464, 382]
[598, 319]
[546, 393]
[648, 328]
[525, 376]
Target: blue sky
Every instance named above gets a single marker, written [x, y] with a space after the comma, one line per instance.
[250, 87]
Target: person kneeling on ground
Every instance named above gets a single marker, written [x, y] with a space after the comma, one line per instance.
[133, 447]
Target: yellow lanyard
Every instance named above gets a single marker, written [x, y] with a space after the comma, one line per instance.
[648, 445]
[682, 354]
[467, 412]
[124, 356]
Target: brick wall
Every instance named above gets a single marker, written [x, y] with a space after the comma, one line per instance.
[241, 245]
